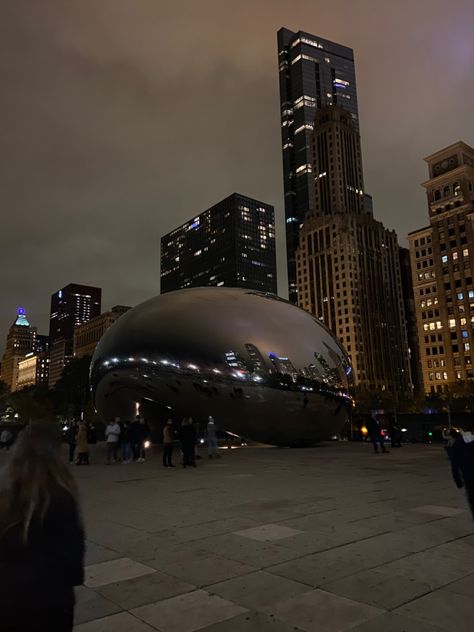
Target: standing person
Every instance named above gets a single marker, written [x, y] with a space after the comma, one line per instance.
[462, 463]
[82, 445]
[188, 441]
[134, 433]
[41, 536]
[126, 443]
[112, 433]
[6, 439]
[71, 434]
[211, 432]
[168, 438]
[395, 433]
[143, 437]
[375, 432]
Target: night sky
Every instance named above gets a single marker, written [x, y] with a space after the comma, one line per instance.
[120, 119]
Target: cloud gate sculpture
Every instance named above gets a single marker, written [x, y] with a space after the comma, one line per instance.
[263, 368]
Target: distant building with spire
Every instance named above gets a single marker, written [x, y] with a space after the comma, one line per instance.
[21, 341]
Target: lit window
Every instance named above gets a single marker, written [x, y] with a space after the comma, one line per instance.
[444, 259]
[438, 324]
[445, 375]
[425, 326]
[452, 323]
[432, 326]
[471, 293]
[463, 322]
[465, 334]
[308, 126]
[465, 252]
[467, 346]
[455, 256]
[460, 296]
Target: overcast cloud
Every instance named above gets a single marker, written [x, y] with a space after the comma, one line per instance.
[120, 119]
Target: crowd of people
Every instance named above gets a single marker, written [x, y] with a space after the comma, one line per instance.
[127, 442]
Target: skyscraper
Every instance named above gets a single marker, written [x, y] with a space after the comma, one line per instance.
[442, 256]
[231, 244]
[348, 266]
[314, 73]
[21, 340]
[71, 306]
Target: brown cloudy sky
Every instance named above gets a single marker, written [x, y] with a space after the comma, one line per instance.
[122, 118]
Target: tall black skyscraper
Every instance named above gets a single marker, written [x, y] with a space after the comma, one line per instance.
[71, 306]
[314, 73]
[232, 244]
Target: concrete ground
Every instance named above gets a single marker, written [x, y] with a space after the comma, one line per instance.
[327, 539]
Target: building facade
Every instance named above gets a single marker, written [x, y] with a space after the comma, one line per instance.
[348, 266]
[231, 244]
[88, 335]
[71, 306]
[21, 340]
[314, 73]
[33, 370]
[411, 323]
[442, 255]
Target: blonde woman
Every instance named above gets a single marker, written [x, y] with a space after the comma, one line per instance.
[41, 536]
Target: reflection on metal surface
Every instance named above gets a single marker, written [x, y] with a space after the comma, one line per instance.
[260, 366]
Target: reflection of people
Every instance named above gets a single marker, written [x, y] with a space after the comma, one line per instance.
[462, 463]
[375, 432]
[41, 537]
[6, 439]
[168, 438]
[211, 432]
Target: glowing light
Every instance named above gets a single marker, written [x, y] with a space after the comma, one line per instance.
[146, 445]
[364, 431]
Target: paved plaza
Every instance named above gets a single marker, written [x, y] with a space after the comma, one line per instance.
[327, 539]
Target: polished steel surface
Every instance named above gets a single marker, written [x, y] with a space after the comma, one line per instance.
[263, 368]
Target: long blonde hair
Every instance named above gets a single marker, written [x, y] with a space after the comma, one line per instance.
[34, 474]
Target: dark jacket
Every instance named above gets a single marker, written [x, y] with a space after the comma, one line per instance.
[134, 432]
[143, 432]
[462, 462]
[187, 435]
[39, 577]
[373, 428]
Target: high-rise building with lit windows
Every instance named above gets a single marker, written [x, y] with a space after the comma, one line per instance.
[71, 306]
[348, 265]
[442, 257]
[314, 73]
[231, 244]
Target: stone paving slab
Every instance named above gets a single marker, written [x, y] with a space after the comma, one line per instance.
[187, 613]
[378, 589]
[258, 589]
[123, 622]
[144, 590]
[449, 611]
[318, 610]
[116, 570]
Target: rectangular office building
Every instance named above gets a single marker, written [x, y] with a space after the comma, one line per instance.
[231, 244]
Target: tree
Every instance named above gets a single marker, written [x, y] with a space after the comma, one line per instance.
[4, 392]
[72, 394]
[32, 403]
